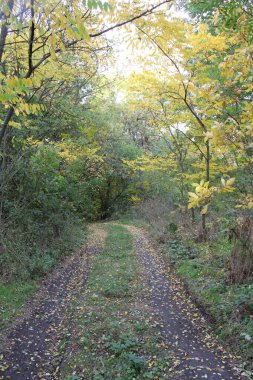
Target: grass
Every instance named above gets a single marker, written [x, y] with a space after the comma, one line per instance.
[115, 337]
[12, 297]
[133, 222]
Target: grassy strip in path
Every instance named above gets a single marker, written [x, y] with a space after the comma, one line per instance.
[114, 337]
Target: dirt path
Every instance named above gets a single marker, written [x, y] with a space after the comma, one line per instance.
[32, 348]
[198, 355]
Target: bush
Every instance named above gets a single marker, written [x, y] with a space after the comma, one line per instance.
[179, 251]
[33, 253]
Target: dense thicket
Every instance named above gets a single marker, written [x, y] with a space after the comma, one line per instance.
[62, 142]
[64, 168]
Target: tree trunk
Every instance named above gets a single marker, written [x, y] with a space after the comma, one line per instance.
[4, 28]
[208, 156]
[193, 215]
[204, 230]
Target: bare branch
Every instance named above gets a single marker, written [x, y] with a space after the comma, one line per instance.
[148, 11]
[31, 38]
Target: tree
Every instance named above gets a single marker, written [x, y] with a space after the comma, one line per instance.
[43, 47]
[199, 94]
[36, 42]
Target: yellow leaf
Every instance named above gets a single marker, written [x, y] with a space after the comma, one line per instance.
[193, 195]
[230, 182]
[204, 209]
[27, 82]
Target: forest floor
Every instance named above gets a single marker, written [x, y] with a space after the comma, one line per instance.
[114, 310]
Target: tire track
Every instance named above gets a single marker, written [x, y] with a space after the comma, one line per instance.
[31, 347]
[197, 354]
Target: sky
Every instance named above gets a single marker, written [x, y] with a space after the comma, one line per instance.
[126, 59]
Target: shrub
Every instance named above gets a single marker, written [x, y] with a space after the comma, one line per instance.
[241, 261]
